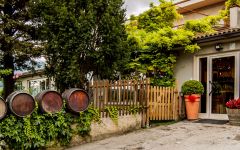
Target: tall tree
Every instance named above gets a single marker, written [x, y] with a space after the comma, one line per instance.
[17, 33]
[84, 38]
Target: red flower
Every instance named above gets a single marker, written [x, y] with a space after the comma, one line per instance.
[233, 103]
[237, 103]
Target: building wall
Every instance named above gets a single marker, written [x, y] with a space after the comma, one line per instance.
[184, 68]
[24, 81]
[209, 10]
[187, 64]
[228, 45]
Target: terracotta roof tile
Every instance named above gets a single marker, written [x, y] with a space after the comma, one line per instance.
[218, 33]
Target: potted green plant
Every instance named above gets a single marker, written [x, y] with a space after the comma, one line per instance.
[192, 90]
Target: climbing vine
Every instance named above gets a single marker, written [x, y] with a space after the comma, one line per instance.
[155, 44]
[39, 130]
[113, 113]
[85, 119]
[135, 109]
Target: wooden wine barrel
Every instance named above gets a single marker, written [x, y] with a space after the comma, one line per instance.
[77, 99]
[20, 103]
[50, 101]
[3, 108]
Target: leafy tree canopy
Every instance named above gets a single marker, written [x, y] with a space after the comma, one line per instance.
[5, 72]
[83, 38]
[154, 40]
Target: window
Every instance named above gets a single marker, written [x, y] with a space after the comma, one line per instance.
[18, 85]
[38, 85]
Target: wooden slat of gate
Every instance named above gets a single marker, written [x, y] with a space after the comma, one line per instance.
[155, 103]
[151, 103]
[168, 102]
[170, 105]
[173, 108]
[161, 103]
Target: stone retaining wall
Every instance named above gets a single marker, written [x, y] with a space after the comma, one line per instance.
[106, 129]
[109, 128]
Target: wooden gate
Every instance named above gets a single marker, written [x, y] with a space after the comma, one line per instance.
[162, 103]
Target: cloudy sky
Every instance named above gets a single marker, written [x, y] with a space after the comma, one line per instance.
[137, 6]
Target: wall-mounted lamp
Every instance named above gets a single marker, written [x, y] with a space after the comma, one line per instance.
[219, 46]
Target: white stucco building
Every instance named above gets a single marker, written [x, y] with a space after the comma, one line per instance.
[217, 64]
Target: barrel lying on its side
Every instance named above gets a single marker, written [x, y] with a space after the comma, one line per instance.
[77, 99]
[21, 103]
[50, 101]
[3, 108]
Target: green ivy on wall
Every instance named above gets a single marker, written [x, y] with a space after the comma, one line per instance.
[113, 113]
[135, 109]
[38, 130]
[85, 119]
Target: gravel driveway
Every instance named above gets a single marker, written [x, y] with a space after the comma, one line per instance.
[183, 135]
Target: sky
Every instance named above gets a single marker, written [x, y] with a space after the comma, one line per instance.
[135, 7]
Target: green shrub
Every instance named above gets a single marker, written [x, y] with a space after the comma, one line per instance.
[39, 130]
[192, 87]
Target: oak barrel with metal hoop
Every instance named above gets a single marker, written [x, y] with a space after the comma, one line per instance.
[49, 101]
[3, 108]
[21, 103]
[77, 99]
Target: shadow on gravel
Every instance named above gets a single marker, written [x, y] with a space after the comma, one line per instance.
[211, 121]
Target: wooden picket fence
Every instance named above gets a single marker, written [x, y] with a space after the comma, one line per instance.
[163, 103]
[135, 96]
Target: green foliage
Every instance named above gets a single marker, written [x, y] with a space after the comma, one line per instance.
[38, 130]
[154, 40]
[3, 144]
[228, 4]
[158, 16]
[204, 25]
[4, 72]
[113, 113]
[155, 43]
[85, 119]
[135, 109]
[18, 37]
[1, 91]
[192, 87]
[82, 37]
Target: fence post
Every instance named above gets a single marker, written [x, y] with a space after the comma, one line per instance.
[176, 102]
[147, 101]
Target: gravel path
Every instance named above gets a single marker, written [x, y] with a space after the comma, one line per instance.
[180, 136]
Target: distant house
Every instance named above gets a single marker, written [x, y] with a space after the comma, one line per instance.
[217, 64]
[33, 82]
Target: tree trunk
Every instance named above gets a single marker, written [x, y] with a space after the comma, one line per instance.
[8, 80]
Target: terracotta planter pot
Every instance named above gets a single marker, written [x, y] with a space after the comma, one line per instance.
[192, 107]
[233, 116]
